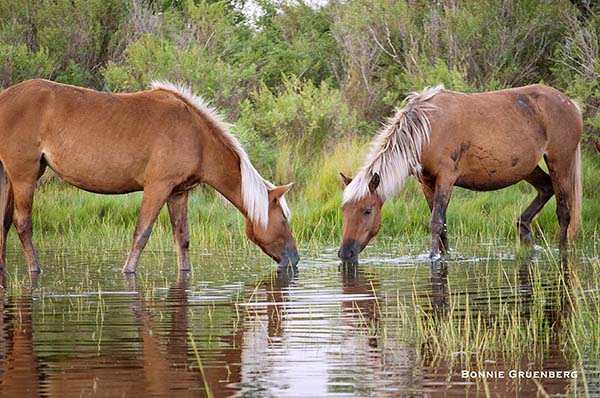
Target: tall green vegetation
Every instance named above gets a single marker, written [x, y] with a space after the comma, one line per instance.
[306, 86]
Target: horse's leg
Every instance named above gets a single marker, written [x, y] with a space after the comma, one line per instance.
[23, 202]
[429, 193]
[178, 207]
[543, 184]
[152, 201]
[562, 190]
[441, 198]
[6, 213]
[19, 210]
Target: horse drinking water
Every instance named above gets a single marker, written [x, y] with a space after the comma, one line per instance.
[163, 142]
[482, 142]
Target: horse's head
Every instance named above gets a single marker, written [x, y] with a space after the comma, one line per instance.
[362, 220]
[276, 239]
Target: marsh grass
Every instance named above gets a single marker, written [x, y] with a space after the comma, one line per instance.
[68, 218]
[511, 317]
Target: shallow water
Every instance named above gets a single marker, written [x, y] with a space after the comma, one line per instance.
[239, 327]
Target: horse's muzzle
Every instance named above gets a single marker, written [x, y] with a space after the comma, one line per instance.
[289, 257]
[349, 251]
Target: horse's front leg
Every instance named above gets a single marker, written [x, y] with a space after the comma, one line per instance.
[153, 200]
[23, 201]
[429, 194]
[178, 207]
[437, 226]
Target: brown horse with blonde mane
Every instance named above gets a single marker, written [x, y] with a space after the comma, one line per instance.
[163, 142]
[482, 142]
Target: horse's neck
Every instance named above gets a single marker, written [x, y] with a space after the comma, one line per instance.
[222, 172]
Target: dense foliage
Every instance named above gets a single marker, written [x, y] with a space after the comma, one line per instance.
[365, 54]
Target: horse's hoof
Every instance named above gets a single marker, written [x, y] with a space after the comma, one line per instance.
[527, 239]
[434, 257]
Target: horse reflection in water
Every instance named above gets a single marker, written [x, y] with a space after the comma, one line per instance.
[168, 366]
[391, 362]
[301, 342]
[19, 366]
[164, 365]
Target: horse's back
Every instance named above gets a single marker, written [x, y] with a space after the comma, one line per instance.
[492, 140]
[97, 141]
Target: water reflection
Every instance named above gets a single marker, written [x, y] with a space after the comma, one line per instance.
[439, 288]
[19, 365]
[321, 330]
[164, 359]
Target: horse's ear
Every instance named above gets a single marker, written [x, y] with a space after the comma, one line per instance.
[374, 183]
[345, 180]
[279, 191]
[598, 146]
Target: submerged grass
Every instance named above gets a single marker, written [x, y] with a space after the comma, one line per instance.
[541, 314]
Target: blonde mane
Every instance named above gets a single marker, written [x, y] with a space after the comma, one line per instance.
[396, 150]
[255, 189]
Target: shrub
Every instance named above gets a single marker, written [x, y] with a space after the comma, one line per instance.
[18, 63]
[302, 120]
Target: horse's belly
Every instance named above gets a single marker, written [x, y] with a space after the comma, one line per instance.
[489, 185]
[491, 179]
[90, 174]
[487, 168]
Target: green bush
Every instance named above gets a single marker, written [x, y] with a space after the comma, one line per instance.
[577, 68]
[18, 63]
[390, 46]
[150, 57]
[283, 130]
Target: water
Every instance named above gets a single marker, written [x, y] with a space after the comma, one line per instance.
[239, 327]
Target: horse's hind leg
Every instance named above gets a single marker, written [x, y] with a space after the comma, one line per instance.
[6, 213]
[429, 194]
[543, 184]
[178, 206]
[152, 201]
[560, 170]
[21, 190]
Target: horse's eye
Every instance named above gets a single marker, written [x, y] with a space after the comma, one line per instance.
[367, 211]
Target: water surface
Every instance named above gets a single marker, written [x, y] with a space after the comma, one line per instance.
[237, 326]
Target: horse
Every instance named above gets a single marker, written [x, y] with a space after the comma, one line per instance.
[482, 142]
[163, 141]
